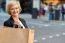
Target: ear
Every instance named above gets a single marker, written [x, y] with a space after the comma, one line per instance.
[20, 10]
[9, 12]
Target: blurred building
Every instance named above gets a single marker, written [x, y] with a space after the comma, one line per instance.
[27, 5]
[62, 1]
[54, 2]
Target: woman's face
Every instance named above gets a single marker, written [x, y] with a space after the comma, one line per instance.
[14, 10]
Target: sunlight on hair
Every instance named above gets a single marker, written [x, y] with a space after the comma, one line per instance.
[11, 3]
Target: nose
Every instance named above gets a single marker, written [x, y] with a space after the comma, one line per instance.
[14, 10]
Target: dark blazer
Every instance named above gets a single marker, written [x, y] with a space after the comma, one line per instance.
[10, 23]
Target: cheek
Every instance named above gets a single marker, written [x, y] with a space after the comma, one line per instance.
[18, 10]
[14, 11]
[11, 11]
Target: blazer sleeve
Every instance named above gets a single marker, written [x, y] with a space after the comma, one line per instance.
[7, 24]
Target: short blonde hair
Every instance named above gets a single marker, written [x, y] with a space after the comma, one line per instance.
[11, 3]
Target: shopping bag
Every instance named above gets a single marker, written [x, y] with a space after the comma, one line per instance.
[16, 35]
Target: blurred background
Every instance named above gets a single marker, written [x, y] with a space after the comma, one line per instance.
[46, 17]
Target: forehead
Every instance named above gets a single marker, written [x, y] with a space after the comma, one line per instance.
[11, 5]
[14, 6]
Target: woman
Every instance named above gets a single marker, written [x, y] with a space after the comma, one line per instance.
[13, 8]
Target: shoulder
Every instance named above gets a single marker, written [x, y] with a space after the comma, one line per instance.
[6, 21]
[22, 20]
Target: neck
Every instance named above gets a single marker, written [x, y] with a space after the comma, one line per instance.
[15, 18]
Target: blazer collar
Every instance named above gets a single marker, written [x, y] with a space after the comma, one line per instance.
[13, 20]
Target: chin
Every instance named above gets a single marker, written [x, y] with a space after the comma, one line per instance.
[15, 15]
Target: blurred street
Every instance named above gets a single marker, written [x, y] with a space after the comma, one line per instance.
[46, 31]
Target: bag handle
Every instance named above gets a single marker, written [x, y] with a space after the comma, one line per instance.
[19, 26]
[14, 26]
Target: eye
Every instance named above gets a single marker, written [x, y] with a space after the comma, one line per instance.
[16, 7]
[11, 8]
